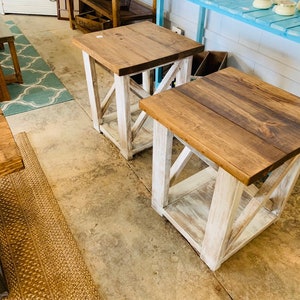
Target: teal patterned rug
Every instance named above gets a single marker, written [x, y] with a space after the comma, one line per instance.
[41, 86]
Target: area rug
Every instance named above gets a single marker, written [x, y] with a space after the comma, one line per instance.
[41, 86]
[40, 257]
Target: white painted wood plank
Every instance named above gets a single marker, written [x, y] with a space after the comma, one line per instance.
[169, 77]
[180, 163]
[124, 116]
[258, 201]
[262, 220]
[93, 90]
[197, 181]
[107, 99]
[161, 164]
[147, 81]
[185, 71]
[284, 189]
[138, 90]
[200, 155]
[223, 209]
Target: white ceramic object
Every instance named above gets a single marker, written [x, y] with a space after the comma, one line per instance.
[285, 8]
[262, 4]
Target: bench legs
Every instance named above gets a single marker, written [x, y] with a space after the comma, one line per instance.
[128, 128]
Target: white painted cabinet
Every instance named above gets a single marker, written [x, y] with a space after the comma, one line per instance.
[33, 7]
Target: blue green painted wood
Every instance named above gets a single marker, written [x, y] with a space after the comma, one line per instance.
[159, 21]
[265, 19]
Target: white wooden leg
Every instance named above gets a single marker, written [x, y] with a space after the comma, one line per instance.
[284, 189]
[227, 194]
[124, 115]
[180, 163]
[147, 81]
[185, 71]
[107, 99]
[93, 90]
[162, 152]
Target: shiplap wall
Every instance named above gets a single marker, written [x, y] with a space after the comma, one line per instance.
[272, 58]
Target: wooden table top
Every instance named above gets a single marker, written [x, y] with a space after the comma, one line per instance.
[246, 126]
[5, 34]
[10, 157]
[137, 47]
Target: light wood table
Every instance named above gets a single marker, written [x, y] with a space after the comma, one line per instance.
[125, 51]
[248, 133]
[10, 156]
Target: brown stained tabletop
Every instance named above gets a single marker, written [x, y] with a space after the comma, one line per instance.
[133, 48]
[244, 125]
[5, 34]
[10, 157]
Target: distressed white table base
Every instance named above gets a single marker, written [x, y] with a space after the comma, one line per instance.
[215, 212]
[129, 135]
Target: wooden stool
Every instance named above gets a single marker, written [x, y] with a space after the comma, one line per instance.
[7, 37]
[248, 133]
[125, 51]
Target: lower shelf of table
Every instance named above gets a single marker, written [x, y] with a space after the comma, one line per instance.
[188, 209]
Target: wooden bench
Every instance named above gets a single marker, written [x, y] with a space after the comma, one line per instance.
[10, 157]
[7, 37]
[248, 134]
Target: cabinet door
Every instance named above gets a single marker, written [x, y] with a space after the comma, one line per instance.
[34, 7]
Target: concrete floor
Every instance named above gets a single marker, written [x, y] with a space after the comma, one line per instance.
[130, 250]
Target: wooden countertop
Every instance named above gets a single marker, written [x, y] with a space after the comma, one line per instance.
[244, 125]
[5, 34]
[137, 47]
[10, 156]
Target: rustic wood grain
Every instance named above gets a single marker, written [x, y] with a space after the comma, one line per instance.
[133, 48]
[10, 157]
[260, 108]
[244, 125]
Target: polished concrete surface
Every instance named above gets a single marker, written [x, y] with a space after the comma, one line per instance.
[130, 250]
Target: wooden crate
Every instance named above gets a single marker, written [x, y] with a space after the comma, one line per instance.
[208, 62]
[89, 21]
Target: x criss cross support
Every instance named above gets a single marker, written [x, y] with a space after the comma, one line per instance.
[130, 134]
